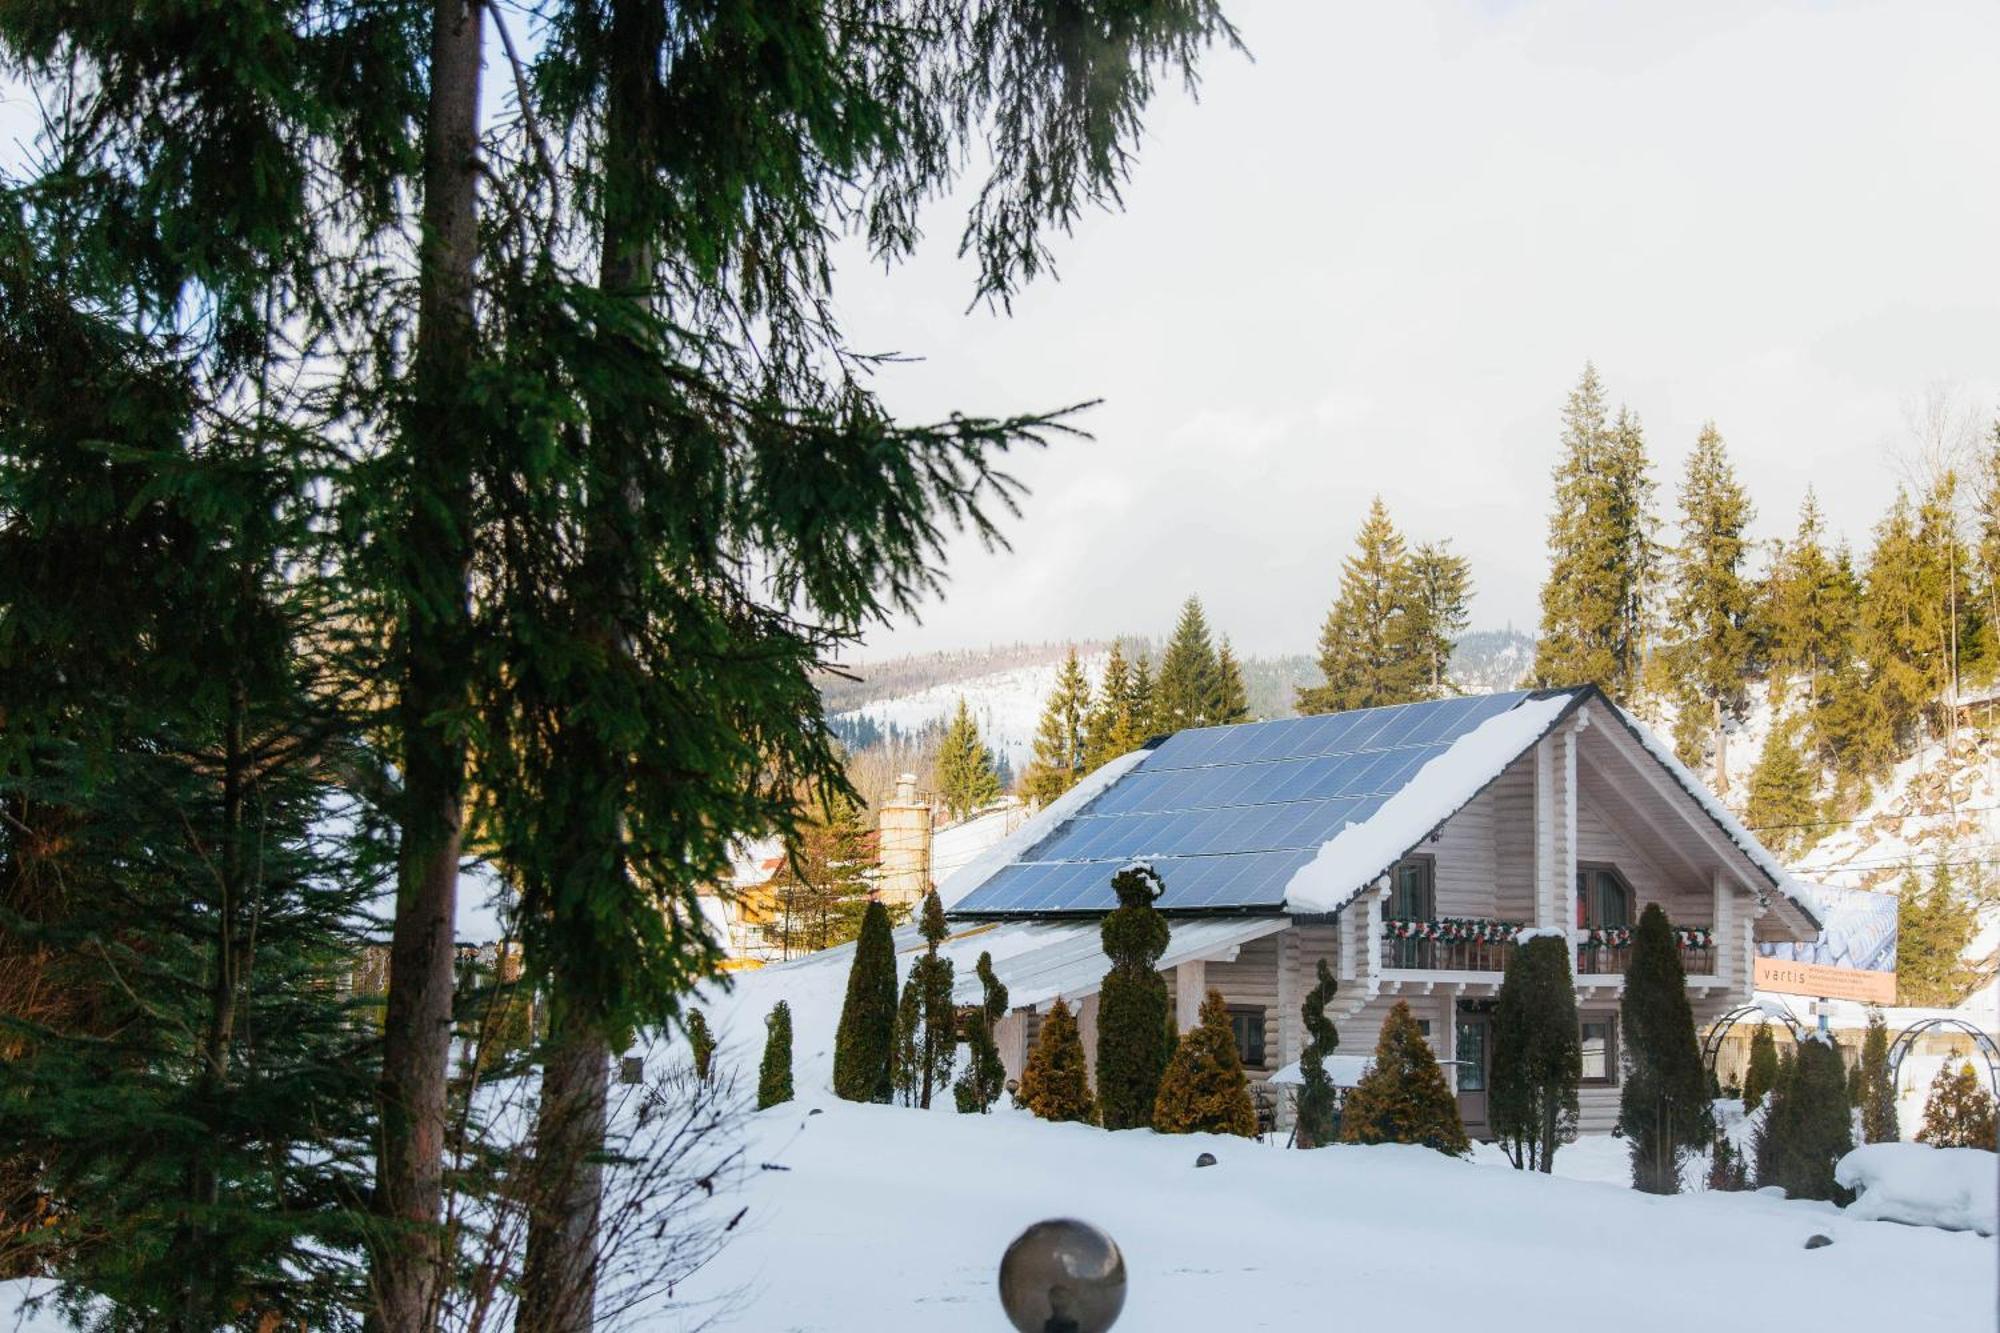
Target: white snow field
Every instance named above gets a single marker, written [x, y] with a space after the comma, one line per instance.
[876, 1218]
[886, 1218]
[1953, 1188]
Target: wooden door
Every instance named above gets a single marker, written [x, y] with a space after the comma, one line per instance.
[1475, 1062]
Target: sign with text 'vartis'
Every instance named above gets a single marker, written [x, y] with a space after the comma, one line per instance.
[1854, 957]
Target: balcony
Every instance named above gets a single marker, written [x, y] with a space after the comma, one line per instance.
[1448, 944]
[1606, 952]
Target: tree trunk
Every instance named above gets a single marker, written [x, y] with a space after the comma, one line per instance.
[566, 1190]
[1721, 751]
[407, 1269]
[562, 1261]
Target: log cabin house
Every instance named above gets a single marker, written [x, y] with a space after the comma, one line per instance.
[1407, 846]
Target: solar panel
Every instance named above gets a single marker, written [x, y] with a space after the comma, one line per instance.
[1228, 815]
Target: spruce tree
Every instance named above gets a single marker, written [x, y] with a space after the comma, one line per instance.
[1903, 636]
[1369, 649]
[1403, 1098]
[1810, 604]
[1782, 810]
[1440, 610]
[1808, 1127]
[864, 1046]
[1116, 724]
[933, 976]
[1232, 698]
[1133, 1019]
[1727, 1171]
[1317, 1098]
[1958, 1113]
[985, 1076]
[1878, 1084]
[1934, 927]
[1203, 1090]
[1595, 603]
[1186, 691]
[1062, 740]
[1762, 1071]
[1708, 644]
[1537, 1055]
[701, 1043]
[1056, 1083]
[965, 776]
[774, 1073]
[1663, 1105]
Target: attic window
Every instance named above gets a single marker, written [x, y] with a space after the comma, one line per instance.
[1413, 890]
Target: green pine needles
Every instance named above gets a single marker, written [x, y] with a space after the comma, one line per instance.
[1762, 1070]
[1133, 1032]
[1403, 1098]
[1318, 1102]
[966, 778]
[1807, 1127]
[864, 1045]
[1537, 1054]
[1663, 1105]
[1878, 1084]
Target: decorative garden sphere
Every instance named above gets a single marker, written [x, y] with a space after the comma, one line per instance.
[1062, 1276]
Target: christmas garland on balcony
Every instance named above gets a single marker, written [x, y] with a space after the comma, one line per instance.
[1452, 930]
[1620, 937]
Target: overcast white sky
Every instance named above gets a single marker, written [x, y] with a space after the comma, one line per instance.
[1376, 257]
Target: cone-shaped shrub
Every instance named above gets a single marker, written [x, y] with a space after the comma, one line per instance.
[1959, 1111]
[1056, 1083]
[1726, 1167]
[985, 1076]
[864, 1046]
[1315, 1123]
[1135, 1033]
[1203, 1090]
[1663, 1106]
[1537, 1054]
[774, 1076]
[701, 1041]
[938, 1049]
[1807, 1124]
[1403, 1097]
[1763, 1068]
[907, 1062]
[1878, 1088]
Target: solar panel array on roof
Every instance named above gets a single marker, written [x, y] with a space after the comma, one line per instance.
[1228, 814]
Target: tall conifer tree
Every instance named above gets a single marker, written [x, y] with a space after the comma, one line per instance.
[1782, 810]
[1537, 1055]
[933, 976]
[1596, 600]
[1369, 649]
[1115, 725]
[1440, 609]
[1878, 1084]
[1185, 693]
[1663, 1105]
[965, 776]
[1063, 738]
[1133, 1034]
[864, 1046]
[1232, 698]
[1708, 645]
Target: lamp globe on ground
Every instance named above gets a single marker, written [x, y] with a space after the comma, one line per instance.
[1062, 1276]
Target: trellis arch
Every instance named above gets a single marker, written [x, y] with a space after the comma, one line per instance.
[1982, 1041]
[1711, 1046]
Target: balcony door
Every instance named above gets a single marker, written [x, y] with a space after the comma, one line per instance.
[1412, 897]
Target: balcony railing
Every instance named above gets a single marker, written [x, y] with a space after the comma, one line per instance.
[1607, 953]
[1448, 944]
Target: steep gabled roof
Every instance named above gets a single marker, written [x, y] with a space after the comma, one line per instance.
[1296, 815]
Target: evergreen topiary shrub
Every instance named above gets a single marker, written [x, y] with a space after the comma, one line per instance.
[1403, 1097]
[1663, 1105]
[1763, 1067]
[1537, 1054]
[701, 1041]
[1958, 1113]
[774, 1075]
[933, 973]
[1879, 1087]
[864, 1045]
[1318, 1105]
[907, 1059]
[1134, 1027]
[1808, 1126]
[985, 1076]
[1203, 1090]
[1056, 1083]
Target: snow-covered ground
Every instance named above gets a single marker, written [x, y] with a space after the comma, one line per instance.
[884, 1218]
[1006, 705]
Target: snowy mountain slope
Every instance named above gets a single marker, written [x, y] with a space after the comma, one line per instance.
[1006, 704]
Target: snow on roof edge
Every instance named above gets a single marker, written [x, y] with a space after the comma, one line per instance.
[1354, 857]
[961, 883]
